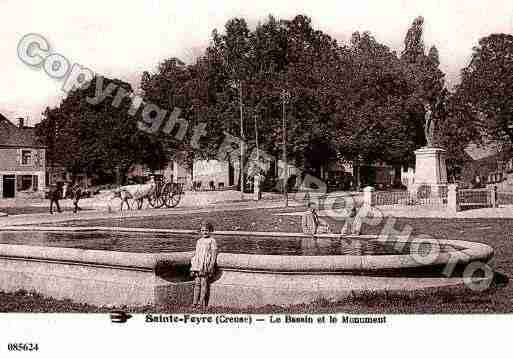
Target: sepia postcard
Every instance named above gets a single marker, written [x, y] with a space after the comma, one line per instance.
[315, 169]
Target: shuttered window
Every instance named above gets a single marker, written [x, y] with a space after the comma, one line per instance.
[26, 157]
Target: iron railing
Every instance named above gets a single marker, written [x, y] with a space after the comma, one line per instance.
[480, 197]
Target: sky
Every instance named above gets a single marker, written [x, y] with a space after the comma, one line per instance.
[124, 38]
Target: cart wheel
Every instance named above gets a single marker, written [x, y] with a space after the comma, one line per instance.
[160, 202]
[173, 199]
[156, 201]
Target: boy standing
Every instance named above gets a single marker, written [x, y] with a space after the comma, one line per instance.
[203, 264]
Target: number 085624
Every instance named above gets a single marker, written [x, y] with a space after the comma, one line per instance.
[23, 347]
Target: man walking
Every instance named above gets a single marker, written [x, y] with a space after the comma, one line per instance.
[55, 194]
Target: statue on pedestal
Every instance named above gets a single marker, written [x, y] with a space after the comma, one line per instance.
[429, 125]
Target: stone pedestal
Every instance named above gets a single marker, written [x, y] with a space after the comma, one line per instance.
[257, 194]
[430, 166]
[367, 196]
[493, 195]
[452, 198]
[430, 170]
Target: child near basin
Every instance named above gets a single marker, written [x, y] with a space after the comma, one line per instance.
[353, 223]
[312, 224]
[203, 264]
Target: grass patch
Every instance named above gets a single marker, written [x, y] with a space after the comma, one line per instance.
[435, 301]
[23, 301]
[24, 210]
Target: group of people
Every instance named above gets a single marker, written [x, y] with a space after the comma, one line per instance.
[205, 256]
[57, 192]
[312, 224]
[197, 185]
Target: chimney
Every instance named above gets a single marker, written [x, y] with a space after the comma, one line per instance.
[20, 122]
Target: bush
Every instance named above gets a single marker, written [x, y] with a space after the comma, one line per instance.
[271, 184]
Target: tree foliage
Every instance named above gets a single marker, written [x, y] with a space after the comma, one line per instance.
[99, 139]
[487, 88]
[356, 101]
[351, 101]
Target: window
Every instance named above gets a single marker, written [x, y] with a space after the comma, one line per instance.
[25, 182]
[26, 157]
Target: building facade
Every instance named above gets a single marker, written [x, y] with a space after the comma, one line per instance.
[22, 161]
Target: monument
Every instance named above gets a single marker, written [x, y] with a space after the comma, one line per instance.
[430, 168]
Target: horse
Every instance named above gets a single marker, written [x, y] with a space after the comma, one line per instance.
[137, 192]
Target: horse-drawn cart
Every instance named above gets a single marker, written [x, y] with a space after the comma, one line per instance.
[158, 192]
[166, 194]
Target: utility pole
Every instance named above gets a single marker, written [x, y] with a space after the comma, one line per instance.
[256, 172]
[285, 97]
[256, 139]
[241, 162]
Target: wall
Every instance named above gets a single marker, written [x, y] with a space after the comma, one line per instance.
[10, 160]
[181, 174]
[10, 164]
[211, 170]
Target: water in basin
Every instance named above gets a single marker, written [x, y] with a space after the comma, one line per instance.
[168, 242]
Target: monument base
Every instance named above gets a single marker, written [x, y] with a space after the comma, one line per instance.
[430, 170]
[427, 191]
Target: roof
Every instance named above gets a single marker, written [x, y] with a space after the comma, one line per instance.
[13, 136]
[477, 152]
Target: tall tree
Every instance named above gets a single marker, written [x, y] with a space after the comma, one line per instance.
[372, 115]
[413, 42]
[424, 73]
[487, 87]
[356, 101]
[434, 56]
[99, 139]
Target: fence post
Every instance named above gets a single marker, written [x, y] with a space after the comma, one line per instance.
[367, 196]
[452, 197]
[412, 194]
[493, 195]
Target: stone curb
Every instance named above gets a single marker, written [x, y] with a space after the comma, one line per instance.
[472, 251]
[147, 261]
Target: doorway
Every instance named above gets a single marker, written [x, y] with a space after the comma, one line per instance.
[9, 182]
[231, 174]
